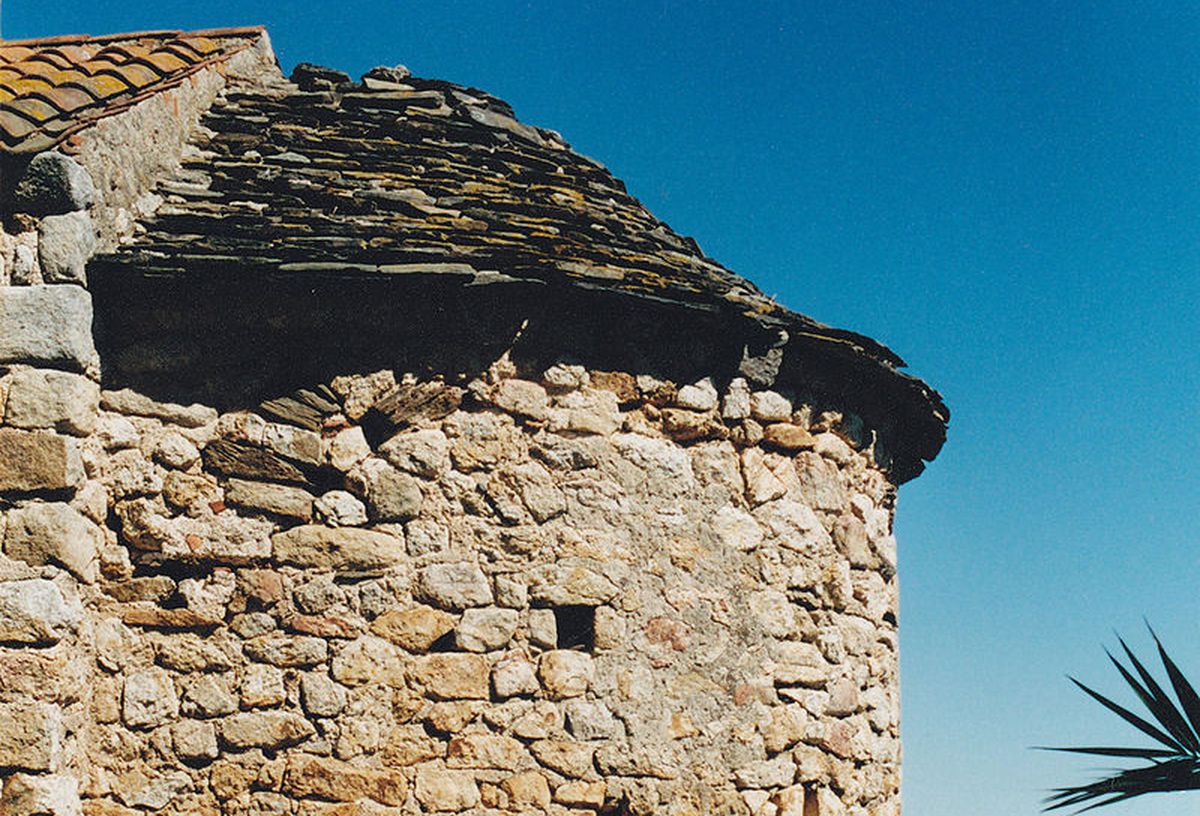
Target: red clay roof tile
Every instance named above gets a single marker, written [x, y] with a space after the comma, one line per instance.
[53, 87]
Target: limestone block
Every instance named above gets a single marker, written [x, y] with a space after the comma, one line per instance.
[35, 460]
[195, 741]
[65, 244]
[416, 628]
[514, 675]
[336, 781]
[439, 789]
[187, 490]
[774, 612]
[527, 790]
[790, 801]
[450, 676]
[543, 628]
[455, 585]
[390, 495]
[339, 508]
[262, 686]
[347, 448]
[130, 402]
[369, 659]
[269, 730]
[34, 611]
[587, 412]
[769, 406]
[54, 533]
[789, 437]
[321, 696]
[571, 759]
[52, 400]
[280, 500]
[207, 696]
[176, 451]
[148, 700]
[565, 673]
[568, 584]
[736, 402]
[521, 397]
[699, 396]
[484, 630]
[52, 795]
[424, 453]
[287, 651]
[588, 795]
[53, 184]
[342, 548]
[31, 736]
[187, 653]
[589, 719]
[298, 444]
[487, 751]
[47, 325]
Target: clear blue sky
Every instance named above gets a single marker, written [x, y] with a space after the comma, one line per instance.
[1007, 193]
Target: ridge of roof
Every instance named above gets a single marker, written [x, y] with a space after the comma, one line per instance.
[54, 87]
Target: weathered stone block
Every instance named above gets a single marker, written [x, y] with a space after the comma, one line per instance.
[416, 628]
[448, 676]
[567, 584]
[52, 400]
[31, 736]
[571, 759]
[439, 789]
[270, 730]
[130, 402]
[149, 699]
[52, 184]
[34, 611]
[65, 244]
[335, 781]
[484, 630]
[527, 791]
[287, 651]
[47, 325]
[487, 751]
[321, 696]
[32, 461]
[369, 660]
[54, 533]
[565, 673]
[195, 741]
[281, 500]
[514, 675]
[390, 495]
[345, 548]
[588, 795]
[52, 795]
[456, 585]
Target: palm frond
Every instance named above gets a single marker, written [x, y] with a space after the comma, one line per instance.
[1173, 767]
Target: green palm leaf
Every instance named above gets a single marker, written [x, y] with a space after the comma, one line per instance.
[1173, 767]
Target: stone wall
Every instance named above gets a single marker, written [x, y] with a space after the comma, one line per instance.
[562, 592]
[537, 589]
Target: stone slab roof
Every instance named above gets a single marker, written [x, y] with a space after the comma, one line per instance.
[52, 88]
[395, 177]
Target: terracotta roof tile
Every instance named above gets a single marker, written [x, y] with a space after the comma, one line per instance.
[53, 87]
[12, 53]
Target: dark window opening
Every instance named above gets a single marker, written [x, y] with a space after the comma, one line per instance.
[576, 627]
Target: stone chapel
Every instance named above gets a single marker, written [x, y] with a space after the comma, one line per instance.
[366, 451]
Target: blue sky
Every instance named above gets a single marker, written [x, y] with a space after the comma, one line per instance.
[1007, 193]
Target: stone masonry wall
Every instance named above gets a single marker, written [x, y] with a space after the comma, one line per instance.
[567, 592]
[561, 591]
